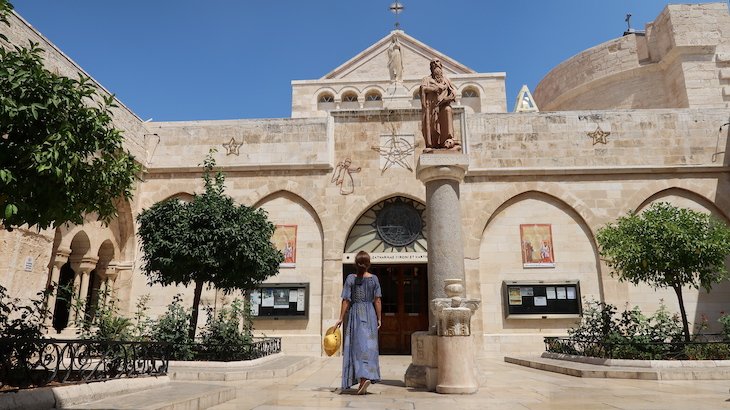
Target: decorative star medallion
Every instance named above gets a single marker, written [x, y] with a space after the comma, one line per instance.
[599, 135]
[232, 146]
[396, 150]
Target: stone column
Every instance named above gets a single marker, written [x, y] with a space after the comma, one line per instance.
[58, 261]
[442, 172]
[108, 274]
[83, 268]
[122, 285]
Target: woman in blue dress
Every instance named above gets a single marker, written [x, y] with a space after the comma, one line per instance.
[361, 313]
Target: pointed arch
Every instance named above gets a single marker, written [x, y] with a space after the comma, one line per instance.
[500, 254]
[296, 199]
[473, 232]
[687, 195]
[656, 187]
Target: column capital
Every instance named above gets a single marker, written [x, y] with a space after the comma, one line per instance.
[442, 165]
[84, 265]
[109, 270]
[61, 257]
[124, 265]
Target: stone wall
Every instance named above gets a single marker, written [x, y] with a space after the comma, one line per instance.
[676, 64]
[272, 143]
[561, 141]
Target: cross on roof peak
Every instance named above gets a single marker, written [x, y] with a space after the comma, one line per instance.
[396, 8]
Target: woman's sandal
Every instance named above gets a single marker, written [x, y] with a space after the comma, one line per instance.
[363, 389]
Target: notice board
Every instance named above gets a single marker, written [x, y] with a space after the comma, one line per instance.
[541, 300]
[280, 301]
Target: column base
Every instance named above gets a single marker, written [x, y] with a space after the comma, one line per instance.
[457, 371]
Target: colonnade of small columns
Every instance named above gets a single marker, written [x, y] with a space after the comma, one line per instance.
[82, 266]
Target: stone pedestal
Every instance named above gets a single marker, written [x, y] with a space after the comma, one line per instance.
[423, 371]
[441, 172]
[397, 96]
[456, 369]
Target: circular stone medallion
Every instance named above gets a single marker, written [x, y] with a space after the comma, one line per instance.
[398, 224]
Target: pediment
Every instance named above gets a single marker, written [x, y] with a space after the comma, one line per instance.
[372, 63]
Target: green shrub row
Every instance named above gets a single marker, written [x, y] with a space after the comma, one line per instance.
[604, 332]
[228, 333]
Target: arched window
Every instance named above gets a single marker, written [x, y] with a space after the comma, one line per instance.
[326, 98]
[470, 99]
[326, 102]
[373, 96]
[373, 99]
[470, 93]
[349, 97]
[350, 100]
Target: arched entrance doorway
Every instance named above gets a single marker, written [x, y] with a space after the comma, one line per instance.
[394, 233]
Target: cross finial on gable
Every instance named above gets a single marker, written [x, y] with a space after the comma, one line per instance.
[397, 8]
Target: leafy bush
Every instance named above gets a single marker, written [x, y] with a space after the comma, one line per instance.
[20, 328]
[22, 321]
[106, 324]
[630, 335]
[708, 351]
[227, 335]
[725, 322]
[172, 327]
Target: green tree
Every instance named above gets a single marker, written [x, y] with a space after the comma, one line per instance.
[667, 247]
[208, 240]
[60, 155]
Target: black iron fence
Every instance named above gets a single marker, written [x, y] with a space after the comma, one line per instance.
[701, 347]
[38, 362]
[257, 348]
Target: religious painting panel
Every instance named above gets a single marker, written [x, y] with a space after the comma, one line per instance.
[285, 240]
[536, 241]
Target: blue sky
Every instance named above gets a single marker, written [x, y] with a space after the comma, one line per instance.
[228, 59]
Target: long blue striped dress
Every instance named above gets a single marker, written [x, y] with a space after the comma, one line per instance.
[360, 348]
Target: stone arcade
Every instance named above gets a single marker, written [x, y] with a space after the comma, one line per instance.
[626, 123]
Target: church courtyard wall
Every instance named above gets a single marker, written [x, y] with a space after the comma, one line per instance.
[524, 168]
[324, 169]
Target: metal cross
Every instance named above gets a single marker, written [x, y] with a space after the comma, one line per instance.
[396, 8]
[628, 22]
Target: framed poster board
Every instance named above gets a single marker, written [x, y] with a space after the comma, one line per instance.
[536, 241]
[541, 300]
[280, 301]
[285, 240]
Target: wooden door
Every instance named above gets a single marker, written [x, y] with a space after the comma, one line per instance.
[405, 305]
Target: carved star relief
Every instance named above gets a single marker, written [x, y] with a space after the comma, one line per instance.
[599, 135]
[232, 147]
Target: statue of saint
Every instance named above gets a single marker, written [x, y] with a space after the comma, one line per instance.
[395, 60]
[437, 94]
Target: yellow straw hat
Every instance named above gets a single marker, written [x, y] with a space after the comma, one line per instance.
[332, 340]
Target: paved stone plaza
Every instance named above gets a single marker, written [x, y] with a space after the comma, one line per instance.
[503, 386]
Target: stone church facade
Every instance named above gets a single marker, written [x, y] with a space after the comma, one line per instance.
[636, 120]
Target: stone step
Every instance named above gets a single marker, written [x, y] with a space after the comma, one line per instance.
[577, 369]
[173, 396]
[278, 367]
